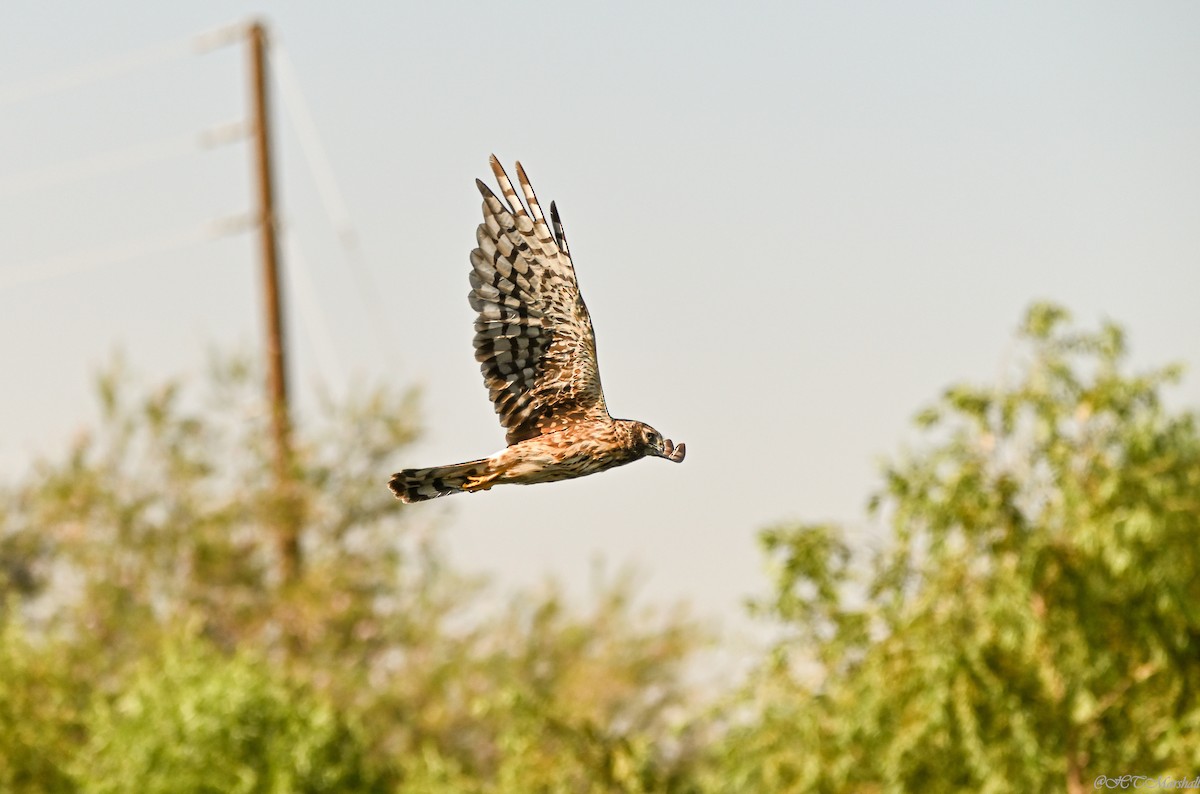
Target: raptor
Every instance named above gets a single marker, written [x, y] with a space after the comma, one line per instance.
[537, 350]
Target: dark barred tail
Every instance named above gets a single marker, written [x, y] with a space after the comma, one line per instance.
[417, 485]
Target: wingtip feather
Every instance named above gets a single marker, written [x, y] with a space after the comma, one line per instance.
[498, 170]
[560, 234]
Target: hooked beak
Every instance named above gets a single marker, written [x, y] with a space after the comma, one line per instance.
[672, 452]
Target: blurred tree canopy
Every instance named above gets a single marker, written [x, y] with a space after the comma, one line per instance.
[149, 633]
[1026, 620]
[1031, 621]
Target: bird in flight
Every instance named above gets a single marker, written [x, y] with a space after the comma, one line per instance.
[537, 350]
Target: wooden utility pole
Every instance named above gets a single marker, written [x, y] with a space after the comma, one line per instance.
[287, 518]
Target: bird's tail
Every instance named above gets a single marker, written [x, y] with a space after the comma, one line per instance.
[417, 485]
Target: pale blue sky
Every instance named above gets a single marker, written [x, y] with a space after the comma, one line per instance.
[794, 224]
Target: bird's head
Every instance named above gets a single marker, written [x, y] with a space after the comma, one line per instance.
[653, 443]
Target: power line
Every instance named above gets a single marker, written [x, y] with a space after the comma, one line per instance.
[119, 160]
[118, 65]
[332, 199]
[91, 259]
[312, 316]
[310, 141]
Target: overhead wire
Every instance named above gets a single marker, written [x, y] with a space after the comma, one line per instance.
[121, 159]
[312, 316]
[321, 168]
[118, 65]
[118, 160]
[91, 259]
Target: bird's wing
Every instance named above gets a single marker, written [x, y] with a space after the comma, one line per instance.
[533, 335]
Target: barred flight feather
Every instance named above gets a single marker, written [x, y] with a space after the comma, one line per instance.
[524, 288]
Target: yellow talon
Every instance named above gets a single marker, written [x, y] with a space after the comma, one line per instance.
[482, 483]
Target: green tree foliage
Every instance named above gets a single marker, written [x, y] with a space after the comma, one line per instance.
[1027, 622]
[160, 524]
[42, 711]
[1033, 618]
[193, 719]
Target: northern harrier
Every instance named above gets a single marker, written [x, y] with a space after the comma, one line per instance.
[537, 350]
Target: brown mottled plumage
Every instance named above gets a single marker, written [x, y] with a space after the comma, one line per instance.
[537, 350]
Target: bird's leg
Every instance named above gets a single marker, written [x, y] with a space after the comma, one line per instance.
[481, 482]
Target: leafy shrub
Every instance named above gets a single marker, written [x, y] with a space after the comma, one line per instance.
[41, 714]
[193, 720]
